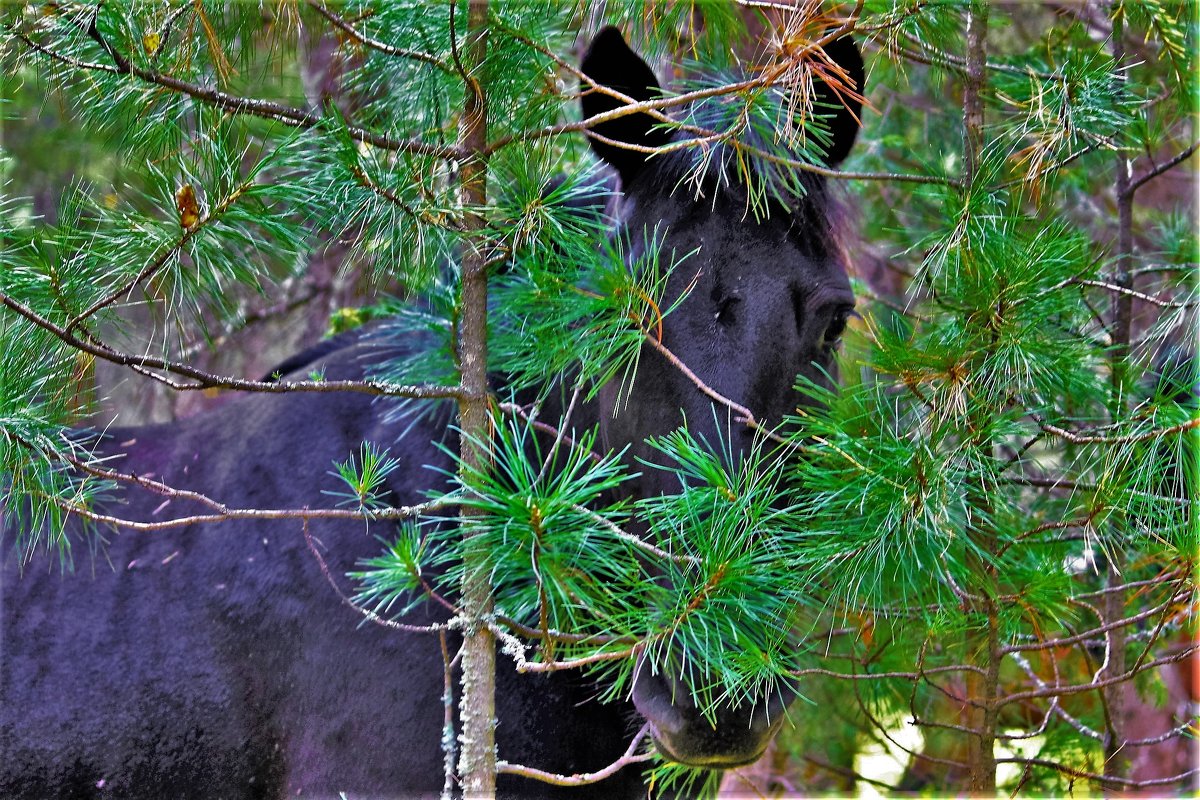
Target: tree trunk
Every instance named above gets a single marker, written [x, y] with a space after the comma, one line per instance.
[984, 650]
[477, 710]
[1116, 755]
[977, 21]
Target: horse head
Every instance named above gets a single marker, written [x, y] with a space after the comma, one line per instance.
[765, 297]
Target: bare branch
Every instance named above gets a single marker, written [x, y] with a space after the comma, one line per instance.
[1076, 773]
[65, 59]
[515, 649]
[1162, 579]
[220, 511]
[625, 760]
[874, 676]
[205, 380]
[655, 107]
[561, 637]
[1157, 433]
[1124, 290]
[518, 411]
[1120, 623]
[226, 514]
[925, 53]
[1053, 710]
[1160, 169]
[1080, 688]
[370, 616]
[629, 538]
[449, 751]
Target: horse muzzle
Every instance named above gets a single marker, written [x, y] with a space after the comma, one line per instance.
[733, 736]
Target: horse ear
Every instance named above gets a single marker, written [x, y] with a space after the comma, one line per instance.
[609, 62]
[846, 108]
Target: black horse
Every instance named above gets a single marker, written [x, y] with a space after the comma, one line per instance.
[215, 661]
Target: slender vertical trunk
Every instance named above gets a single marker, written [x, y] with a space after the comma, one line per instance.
[982, 688]
[1116, 759]
[477, 710]
[976, 81]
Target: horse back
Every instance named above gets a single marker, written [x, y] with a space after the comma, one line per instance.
[215, 660]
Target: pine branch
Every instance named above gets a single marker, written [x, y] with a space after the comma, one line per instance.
[235, 104]
[374, 44]
[160, 261]
[367, 614]
[204, 380]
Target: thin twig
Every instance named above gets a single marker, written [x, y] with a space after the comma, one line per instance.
[522, 413]
[65, 59]
[1080, 688]
[370, 616]
[205, 380]
[745, 415]
[1054, 709]
[449, 751]
[1134, 294]
[873, 676]
[1044, 171]
[375, 44]
[581, 779]
[221, 512]
[930, 55]
[160, 261]
[227, 514]
[1077, 773]
[515, 649]
[1157, 433]
[1160, 169]
[1185, 729]
[629, 538]
[1120, 623]
[558, 437]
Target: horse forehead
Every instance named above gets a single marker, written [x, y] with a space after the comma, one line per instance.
[727, 241]
[746, 251]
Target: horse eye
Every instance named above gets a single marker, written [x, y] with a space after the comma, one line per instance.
[725, 307]
[837, 326]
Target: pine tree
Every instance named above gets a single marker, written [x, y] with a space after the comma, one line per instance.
[1005, 476]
